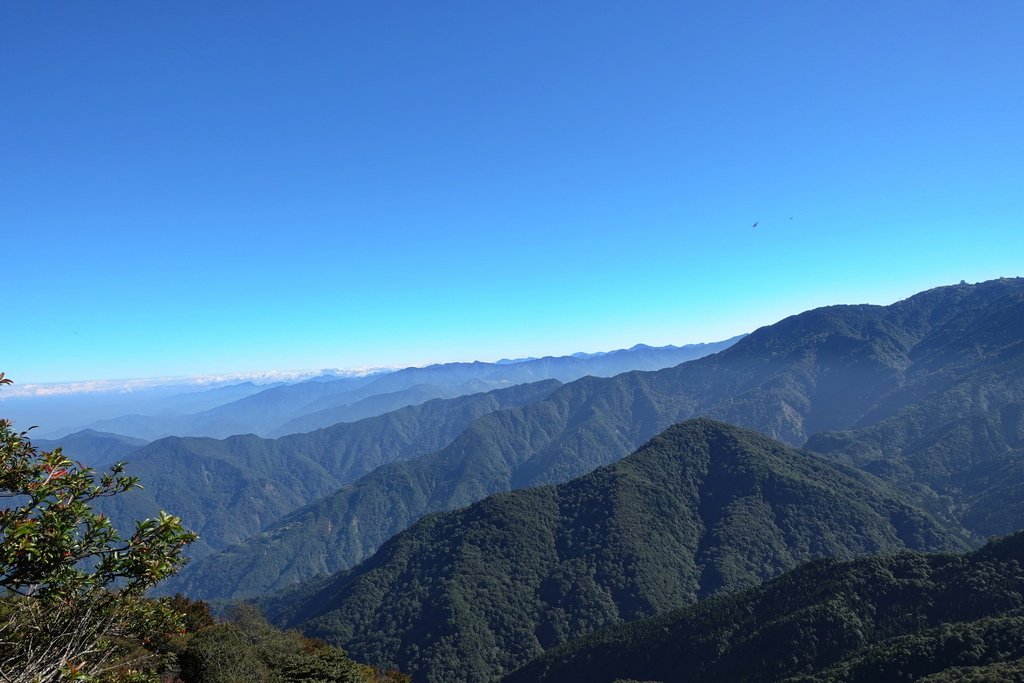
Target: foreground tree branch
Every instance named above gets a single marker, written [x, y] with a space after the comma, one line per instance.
[71, 588]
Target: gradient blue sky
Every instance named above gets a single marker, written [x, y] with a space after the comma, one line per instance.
[236, 186]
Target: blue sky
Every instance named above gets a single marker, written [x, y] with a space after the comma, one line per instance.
[192, 188]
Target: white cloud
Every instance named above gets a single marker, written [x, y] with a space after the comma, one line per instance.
[123, 386]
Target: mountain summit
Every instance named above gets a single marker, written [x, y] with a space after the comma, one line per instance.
[703, 507]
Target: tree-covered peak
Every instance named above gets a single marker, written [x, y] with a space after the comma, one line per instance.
[703, 507]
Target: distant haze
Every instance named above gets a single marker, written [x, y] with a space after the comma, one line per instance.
[278, 402]
[173, 384]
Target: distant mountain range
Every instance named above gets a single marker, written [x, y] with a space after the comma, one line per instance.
[837, 368]
[60, 411]
[702, 508]
[321, 401]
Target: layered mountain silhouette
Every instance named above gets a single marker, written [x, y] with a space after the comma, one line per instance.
[322, 401]
[229, 489]
[902, 617]
[378, 404]
[702, 508]
[92, 448]
[57, 413]
[848, 368]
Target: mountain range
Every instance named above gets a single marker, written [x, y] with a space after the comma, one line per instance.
[322, 401]
[852, 368]
[58, 411]
[462, 537]
[229, 489]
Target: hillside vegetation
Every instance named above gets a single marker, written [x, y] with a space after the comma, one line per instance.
[704, 507]
[959, 444]
[229, 489]
[903, 617]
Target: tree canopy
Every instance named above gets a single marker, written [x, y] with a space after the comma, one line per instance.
[71, 586]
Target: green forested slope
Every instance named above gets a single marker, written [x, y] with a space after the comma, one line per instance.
[961, 446]
[229, 489]
[831, 368]
[702, 508]
[902, 617]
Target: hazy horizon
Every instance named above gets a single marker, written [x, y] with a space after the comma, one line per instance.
[24, 388]
[268, 376]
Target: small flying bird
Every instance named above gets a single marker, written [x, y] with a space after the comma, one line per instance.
[755, 224]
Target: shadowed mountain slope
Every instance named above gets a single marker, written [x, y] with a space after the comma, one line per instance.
[892, 618]
[960, 446]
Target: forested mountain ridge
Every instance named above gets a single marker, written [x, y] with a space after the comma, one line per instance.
[962, 445]
[909, 616]
[703, 507]
[95, 449]
[229, 489]
[857, 365]
[830, 368]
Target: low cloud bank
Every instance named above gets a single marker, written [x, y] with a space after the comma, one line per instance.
[199, 382]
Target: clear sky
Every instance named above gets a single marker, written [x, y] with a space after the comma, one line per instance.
[200, 187]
